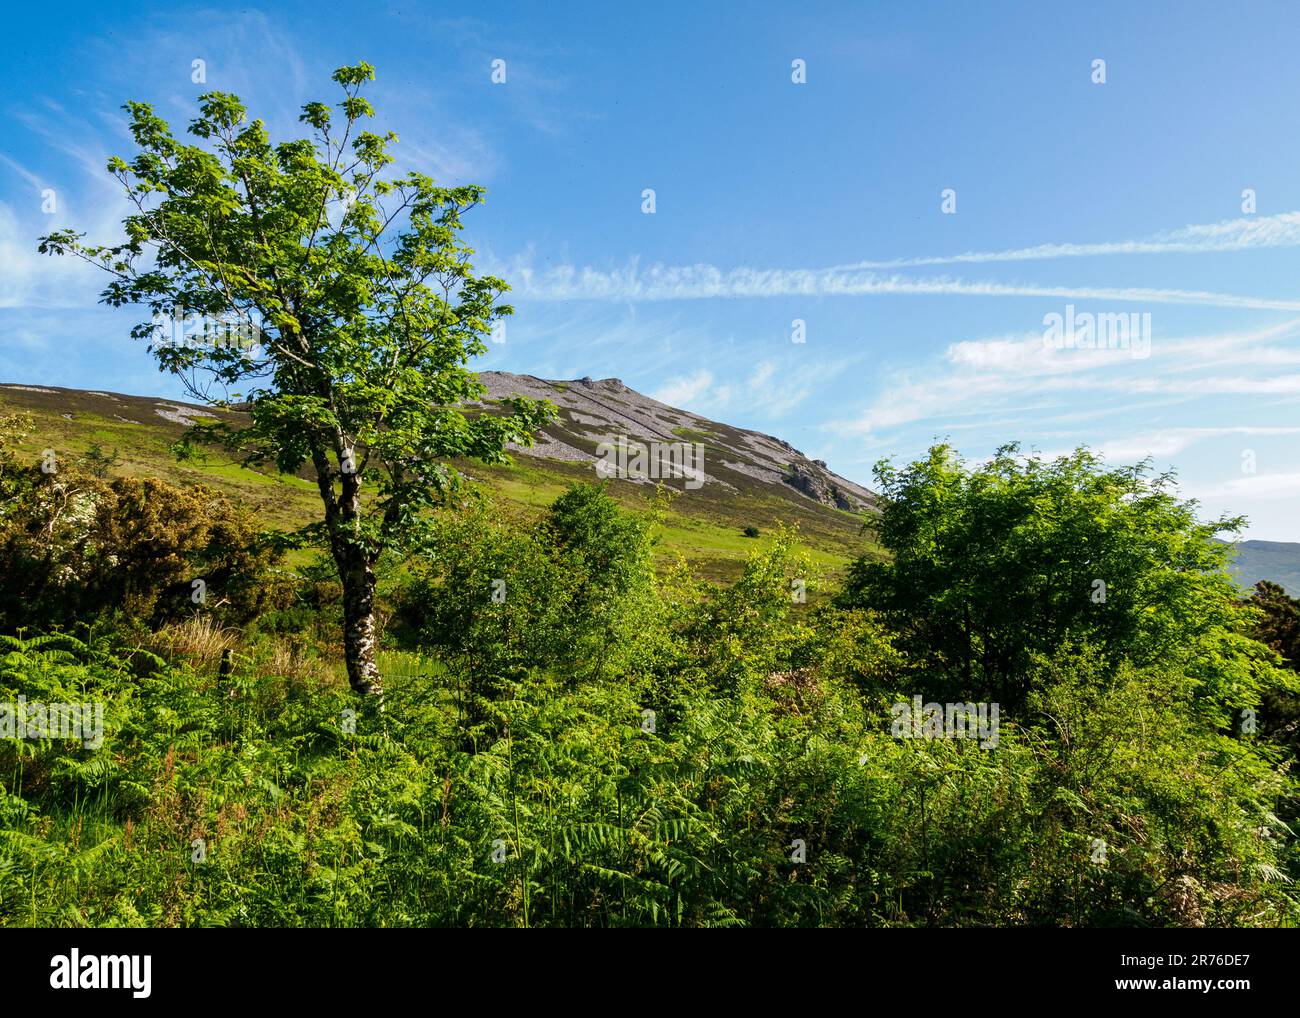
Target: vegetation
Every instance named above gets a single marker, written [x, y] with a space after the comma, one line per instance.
[1045, 705]
[591, 742]
[994, 567]
[1278, 627]
[74, 546]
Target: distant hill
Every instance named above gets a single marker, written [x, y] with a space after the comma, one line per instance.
[1278, 561]
[750, 479]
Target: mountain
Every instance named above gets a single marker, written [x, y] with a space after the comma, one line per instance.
[1278, 561]
[592, 412]
[745, 478]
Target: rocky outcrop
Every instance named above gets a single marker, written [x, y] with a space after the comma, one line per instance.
[818, 483]
[596, 410]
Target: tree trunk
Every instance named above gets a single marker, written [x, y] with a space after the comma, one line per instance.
[355, 561]
[356, 565]
[359, 638]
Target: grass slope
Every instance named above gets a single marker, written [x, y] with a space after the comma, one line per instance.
[703, 526]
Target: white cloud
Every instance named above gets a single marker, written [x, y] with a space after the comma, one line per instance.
[680, 391]
[771, 388]
[700, 282]
[1255, 486]
[1172, 441]
[1019, 373]
[32, 280]
[1247, 233]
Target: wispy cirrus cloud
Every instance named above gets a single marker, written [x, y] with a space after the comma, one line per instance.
[1243, 234]
[1026, 355]
[684, 389]
[701, 282]
[778, 385]
[83, 196]
[875, 278]
[1254, 486]
[1168, 442]
[1006, 374]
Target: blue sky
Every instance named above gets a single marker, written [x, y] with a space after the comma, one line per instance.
[775, 201]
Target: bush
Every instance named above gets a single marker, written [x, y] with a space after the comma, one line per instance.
[567, 593]
[74, 546]
[995, 563]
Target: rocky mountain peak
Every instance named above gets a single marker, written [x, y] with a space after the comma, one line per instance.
[735, 459]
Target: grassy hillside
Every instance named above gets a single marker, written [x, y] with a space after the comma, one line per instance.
[705, 526]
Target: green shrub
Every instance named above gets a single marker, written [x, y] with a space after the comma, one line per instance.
[74, 546]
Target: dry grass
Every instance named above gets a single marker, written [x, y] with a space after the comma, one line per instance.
[199, 640]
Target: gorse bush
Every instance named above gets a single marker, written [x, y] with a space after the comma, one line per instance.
[73, 545]
[591, 743]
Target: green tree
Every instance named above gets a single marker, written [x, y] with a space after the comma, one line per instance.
[340, 294]
[572, 593]
[99, 463]
[994, 563]
[1277, 625]
[489, 600]
[1279, 621]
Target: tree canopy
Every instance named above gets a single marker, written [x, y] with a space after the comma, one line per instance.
[994, 564]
